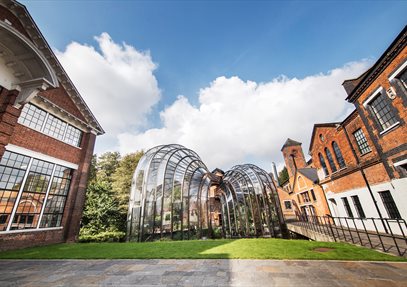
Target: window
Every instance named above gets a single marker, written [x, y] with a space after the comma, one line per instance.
[305, 197]
[38, 119]
[73, 136]
[347, 207]
[313, 195]
[398, 81]
[338, 155]
[12, 170]
[54, 208]
[322, 161]
[389, 204]
[403, 78]
[361, 141]
[382, 111]
[358, 206]
[298, 198]
[55, 127]
[287, 204]
[32, 117]
[31, 191]
[330, 159]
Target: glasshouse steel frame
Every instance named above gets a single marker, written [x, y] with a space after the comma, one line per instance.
[174, 195]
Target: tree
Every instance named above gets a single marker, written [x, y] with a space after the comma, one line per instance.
[106, 165]
[92, 169]
[101, 211]
[283, 176]
[122, 179]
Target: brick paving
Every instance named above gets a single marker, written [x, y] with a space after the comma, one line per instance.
[209, 272]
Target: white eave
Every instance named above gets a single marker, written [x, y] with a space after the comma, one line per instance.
[39, 41]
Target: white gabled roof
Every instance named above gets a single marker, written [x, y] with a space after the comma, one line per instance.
[21, 12]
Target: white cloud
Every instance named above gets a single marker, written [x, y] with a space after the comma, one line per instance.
[116, 81]
[243, 121]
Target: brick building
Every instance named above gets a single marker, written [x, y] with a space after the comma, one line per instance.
[301, 194]
[362, 161]
[47, 136]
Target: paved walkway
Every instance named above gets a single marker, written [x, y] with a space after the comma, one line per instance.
[200, 273]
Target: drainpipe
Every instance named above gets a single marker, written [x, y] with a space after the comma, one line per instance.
[295, 164]
[365, 179]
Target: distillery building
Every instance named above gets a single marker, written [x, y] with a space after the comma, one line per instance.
[47, 136]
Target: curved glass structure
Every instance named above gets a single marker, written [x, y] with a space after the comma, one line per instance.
[174, 195]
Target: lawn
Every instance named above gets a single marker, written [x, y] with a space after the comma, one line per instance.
[203, 249]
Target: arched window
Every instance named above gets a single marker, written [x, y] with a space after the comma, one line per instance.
[322, 161]
[330, 159]
[301, 182]
[338, 155]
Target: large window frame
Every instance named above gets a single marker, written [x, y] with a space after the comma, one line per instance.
[330, 160]
[323, 164]
[398, 80]
[358, 206]
[390, 204]
[338, 155]
[381, 110]
[38, 119]
[27, 186]
[347, 207]
[361, 141]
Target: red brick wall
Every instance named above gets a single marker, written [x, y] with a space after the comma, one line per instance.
[8, 117]
[283, 195]
[351, 181]
[28, 239]
[331, 134]
[39, 142]
[376, 174]
[61, 98]
[299, 158]
[353, 125]
[76, 202]
[397, 136]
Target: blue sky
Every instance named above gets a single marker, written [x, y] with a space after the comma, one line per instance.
[194, 43]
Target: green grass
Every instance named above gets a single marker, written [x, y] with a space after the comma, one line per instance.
[202, 249]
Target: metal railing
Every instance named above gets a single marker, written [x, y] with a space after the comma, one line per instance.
[386, 234]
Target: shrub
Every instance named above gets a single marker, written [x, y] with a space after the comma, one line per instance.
[107, 236]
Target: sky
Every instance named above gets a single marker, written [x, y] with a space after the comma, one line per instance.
[231, 80]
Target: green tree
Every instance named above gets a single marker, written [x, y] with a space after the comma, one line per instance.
[283, 176]
[101, 212]
[92, 169]
[106, 165]
[122, 179]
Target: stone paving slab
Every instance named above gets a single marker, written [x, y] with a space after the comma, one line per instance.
[210, 272]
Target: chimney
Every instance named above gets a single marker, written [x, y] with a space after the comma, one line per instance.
[275, 173]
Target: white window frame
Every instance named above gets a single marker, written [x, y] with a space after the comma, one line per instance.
[41, 130]
[34, 155]
[40, 156]
[398, 71]
[373, 96]
[378, 91]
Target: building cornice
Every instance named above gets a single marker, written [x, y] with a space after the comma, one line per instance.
[21, 12]
[381, 64]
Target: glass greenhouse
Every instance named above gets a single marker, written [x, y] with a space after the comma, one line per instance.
[174, 195]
